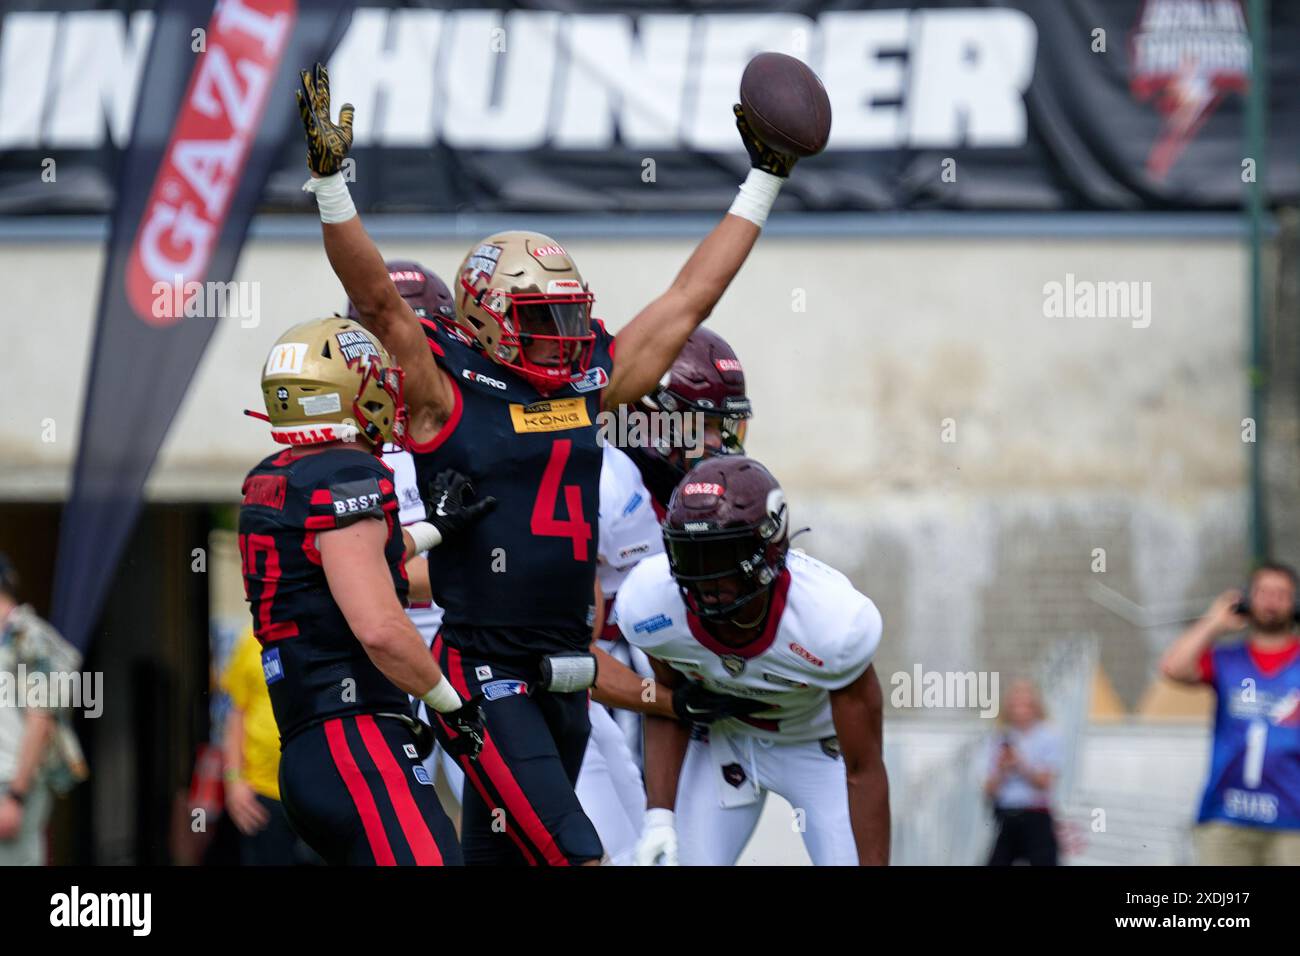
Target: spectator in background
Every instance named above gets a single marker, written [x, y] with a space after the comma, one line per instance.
[1023, 762]
[251, 745]
[27, 734]
[1250, 811]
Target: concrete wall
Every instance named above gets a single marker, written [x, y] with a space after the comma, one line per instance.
[1066, 434]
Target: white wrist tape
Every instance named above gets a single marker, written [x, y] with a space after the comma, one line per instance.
[442, 697]
[658, 817]
[757, 194]
[333, 200]
[425, 536]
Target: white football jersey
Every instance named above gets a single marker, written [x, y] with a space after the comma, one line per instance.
[426, 617]
[820, 636]
[405, 485]
[629, 528]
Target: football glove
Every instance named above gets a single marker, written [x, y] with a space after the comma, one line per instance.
[450, 505]
[695, 703]
[327, 142]
[658, 843]
[460, 732]
[761, 156]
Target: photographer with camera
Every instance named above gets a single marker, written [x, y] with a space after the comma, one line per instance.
[1250, 812]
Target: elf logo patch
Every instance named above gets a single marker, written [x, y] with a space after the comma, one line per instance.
[596, 378]
[498, 689]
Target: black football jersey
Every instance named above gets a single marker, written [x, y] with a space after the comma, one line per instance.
[314, 666]
[527, 570]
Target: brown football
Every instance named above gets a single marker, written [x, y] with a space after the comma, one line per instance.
[786, 104]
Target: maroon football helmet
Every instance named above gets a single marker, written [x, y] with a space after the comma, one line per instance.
[727, 532]
[707, 378]
[427, 295]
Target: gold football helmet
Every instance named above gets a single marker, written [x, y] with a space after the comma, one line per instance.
[331, 380]
[519, 295]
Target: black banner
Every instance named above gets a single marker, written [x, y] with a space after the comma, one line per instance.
[585, 105]
[212, 116]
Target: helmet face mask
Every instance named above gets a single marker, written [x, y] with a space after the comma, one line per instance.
[705, 379]
[521, 298]
[726, 535]
[720, 572]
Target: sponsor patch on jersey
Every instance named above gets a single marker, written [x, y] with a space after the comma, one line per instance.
[265, 490]
[410, 751]
[272, 669]
[807, 655]
[421, 775]
[633, 503]
[505, 688]
[594, 379]
[483, 672]
[356, 499]
[321, 404]
[354, 345]
[782, 681]
[480, 378]
[541, 252]
[703, 488]
[550, 416]
[635, 551]
[483, 263]
[286, 358]
[652, 624]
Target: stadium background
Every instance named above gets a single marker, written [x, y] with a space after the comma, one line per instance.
[957, 450]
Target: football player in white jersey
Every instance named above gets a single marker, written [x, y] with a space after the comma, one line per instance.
[731, 607]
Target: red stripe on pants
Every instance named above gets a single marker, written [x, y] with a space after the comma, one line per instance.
[498, 772]
[362, 798]
[417, 833]
[458, 681]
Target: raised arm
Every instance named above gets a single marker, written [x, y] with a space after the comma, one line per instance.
[1182, 659]
[647, 346]
[359, 266]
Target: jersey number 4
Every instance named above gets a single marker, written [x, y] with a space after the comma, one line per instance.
[250, 546]
[544, 521]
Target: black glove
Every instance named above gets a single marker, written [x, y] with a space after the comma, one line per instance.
[450, 505]
[327, 142]
[695, 703]
[460, 732]
[761, 156]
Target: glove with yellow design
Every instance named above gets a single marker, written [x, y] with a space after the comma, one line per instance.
[762, 156]
[327, 142]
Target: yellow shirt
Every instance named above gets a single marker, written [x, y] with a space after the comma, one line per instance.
[244, 682]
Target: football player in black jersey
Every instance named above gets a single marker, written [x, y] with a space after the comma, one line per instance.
[510, 395]
[325, 573]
